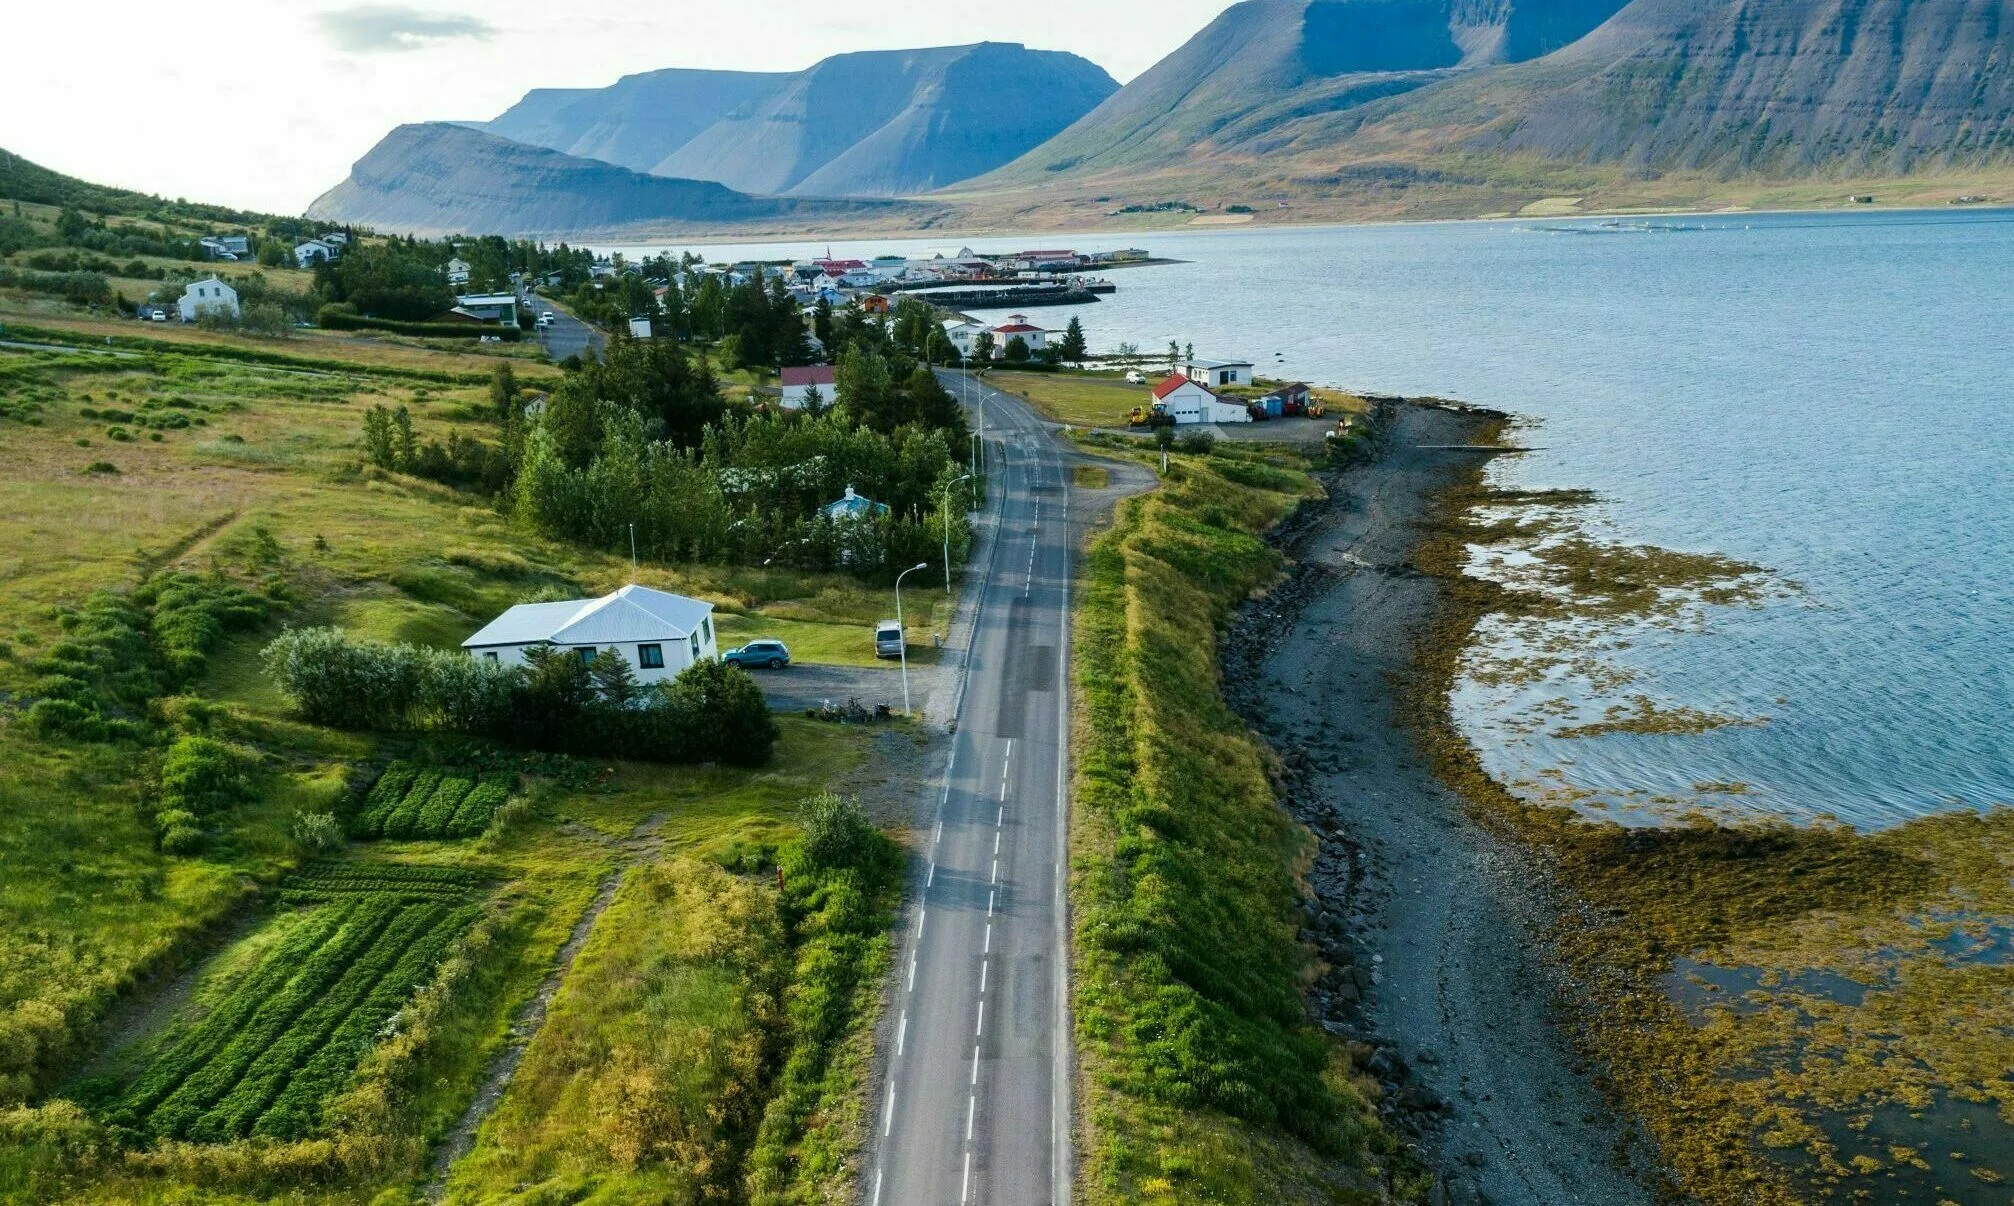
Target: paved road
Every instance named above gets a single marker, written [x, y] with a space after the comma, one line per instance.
[567, 336]
[976, 1105]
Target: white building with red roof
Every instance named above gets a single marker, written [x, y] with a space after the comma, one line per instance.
[1018, 327]
[1187, 401]
[798, 382]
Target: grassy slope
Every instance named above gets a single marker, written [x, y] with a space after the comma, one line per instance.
[268, 485]
[1201, 1080]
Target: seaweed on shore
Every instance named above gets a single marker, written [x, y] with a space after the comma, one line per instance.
[1791, 1089]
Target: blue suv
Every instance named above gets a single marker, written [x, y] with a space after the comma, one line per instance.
[773, 654]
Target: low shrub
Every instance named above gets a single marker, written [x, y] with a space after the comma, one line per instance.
[318, 832]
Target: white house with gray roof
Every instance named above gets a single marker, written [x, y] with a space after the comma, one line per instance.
[659, 634]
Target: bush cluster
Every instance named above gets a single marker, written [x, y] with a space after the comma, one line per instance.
[122, 650]
[81, 288]
[709, 713]
[200, 778]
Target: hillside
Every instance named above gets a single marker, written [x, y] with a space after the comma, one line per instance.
[1381, 111]
[1266, 64]
[1776, 87]
[890, 123]
[634, 122]
[441, 178]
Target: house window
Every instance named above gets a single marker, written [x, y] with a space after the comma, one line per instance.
[650, 657]
[490, 656]
[695, 646]
[586, 656]
[706, 628]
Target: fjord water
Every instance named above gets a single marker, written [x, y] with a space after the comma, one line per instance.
[1828, 396]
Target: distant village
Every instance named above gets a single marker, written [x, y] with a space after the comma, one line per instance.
[1193, 391]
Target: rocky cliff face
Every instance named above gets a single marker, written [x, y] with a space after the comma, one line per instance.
[634, 122]
[441, 178]
[889, 123]
[1770, 86]
[1264, 65]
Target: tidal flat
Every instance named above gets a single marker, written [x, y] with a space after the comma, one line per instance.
[1795, 1012]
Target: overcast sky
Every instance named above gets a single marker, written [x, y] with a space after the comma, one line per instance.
[265, 103]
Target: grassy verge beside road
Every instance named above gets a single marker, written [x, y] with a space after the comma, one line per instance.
[1201, 1078]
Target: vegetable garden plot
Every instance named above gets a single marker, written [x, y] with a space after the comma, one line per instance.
[416, 801]
[270, 1054]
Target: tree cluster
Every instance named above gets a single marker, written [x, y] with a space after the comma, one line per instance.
[558, 702]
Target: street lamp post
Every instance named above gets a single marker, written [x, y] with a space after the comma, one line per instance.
[904, 630]
[944, 514]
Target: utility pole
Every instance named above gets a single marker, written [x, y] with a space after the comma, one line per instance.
[632, 552]
[944, 514]
[904, 631]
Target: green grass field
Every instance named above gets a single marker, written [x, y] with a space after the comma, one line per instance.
[199, 1026]
[1080, 399]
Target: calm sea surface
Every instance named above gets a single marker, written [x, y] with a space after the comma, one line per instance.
[1825, 396]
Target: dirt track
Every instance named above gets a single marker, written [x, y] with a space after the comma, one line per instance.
[1426, 919]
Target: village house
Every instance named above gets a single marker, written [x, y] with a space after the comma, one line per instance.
[853, 506]
[1218, 373]
[210, 296]
[315, 251]
[1018, 327]
[227, 247]
[335, 238]
[488, 307]
[657, 633]
[962, 332]
[458, 271]
[1187, 401]
[799, 381]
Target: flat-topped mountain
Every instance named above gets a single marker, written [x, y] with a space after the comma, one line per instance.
[444, 178]
[634, 122]
[890, 123]
[873, 124]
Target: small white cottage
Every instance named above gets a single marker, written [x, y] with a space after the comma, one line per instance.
[211, 295]
[1186, 401]
[658, 633]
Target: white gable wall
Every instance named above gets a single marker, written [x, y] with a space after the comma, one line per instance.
[676, 655]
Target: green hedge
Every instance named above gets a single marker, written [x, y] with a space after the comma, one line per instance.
[335, 320]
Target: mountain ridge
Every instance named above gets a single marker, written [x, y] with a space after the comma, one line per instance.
[436, 178]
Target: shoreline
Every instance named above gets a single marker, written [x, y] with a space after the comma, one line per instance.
[1433, 926]
[610, 241]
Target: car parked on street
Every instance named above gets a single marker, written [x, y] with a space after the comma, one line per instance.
[772, 655]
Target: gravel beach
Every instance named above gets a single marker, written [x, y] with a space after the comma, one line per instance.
[1427, 921]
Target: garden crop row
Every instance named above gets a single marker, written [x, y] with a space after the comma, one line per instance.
[267, 1057]
[411, 801]
[317, 883]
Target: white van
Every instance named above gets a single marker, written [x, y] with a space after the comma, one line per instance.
[1136, 377]
[888, 641]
